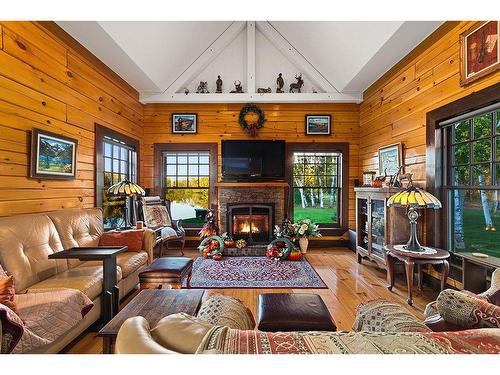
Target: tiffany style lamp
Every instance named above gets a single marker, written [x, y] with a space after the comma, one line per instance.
[126, 189]
[413, 199]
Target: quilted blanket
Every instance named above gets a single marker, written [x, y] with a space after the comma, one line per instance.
[48, 314]
[222, 340]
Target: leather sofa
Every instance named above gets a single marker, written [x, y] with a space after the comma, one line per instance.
[27, 240]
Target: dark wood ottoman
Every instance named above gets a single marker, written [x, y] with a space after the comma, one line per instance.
[293, 312]
[166, 273]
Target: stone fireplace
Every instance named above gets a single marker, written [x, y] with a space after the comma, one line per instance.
[250, 210]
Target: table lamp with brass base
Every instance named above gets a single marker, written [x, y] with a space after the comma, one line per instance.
[413, 199]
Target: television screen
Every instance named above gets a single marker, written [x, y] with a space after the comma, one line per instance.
[253, 160]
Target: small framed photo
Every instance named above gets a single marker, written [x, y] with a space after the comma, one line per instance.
[318, 125]
[389, 159]
[479, 51]
[53, 156]
[184, 123]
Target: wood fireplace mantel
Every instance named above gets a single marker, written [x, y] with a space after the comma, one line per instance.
[251, 184]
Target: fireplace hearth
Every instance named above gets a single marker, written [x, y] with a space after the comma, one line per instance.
[251, 222]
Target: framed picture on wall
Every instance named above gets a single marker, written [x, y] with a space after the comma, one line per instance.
[479, 51]
[53, 156]
[389, 159]
[184, 123]
[318, 125]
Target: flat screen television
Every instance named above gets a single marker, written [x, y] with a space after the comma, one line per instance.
[253, 160]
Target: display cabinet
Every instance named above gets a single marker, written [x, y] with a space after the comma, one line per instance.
[378, 225]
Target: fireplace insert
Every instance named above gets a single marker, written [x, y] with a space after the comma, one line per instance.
[251, 222]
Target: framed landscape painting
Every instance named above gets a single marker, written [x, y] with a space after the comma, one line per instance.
[479, 51]
[318, 124]
[184, 123]
[389, 159]
[53, 156]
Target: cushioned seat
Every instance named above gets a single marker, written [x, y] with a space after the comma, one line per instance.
[131, 261]
[293, 312]
[87, 279]
[166, 272]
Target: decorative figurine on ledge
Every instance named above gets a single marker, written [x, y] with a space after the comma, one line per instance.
[298, 84]
[280, 83]
[202, 88]
[186, 90]
[237, 88]
[262, 90]
[218, 83]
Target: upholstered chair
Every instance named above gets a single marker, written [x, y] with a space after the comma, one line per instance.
[157, 217]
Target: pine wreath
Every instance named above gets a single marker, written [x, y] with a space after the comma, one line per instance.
[251, 127]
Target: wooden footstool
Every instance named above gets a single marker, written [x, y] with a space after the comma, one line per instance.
[287, 312]
[166, 273]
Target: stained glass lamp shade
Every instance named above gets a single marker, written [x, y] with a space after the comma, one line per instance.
[413, 199]
[126, 189]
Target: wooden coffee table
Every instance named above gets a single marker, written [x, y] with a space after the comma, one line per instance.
[152, 304]
[410, 260]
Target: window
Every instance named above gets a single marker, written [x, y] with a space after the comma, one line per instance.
[116, 161]
[473, 182]
[187, 184]
[317, 187]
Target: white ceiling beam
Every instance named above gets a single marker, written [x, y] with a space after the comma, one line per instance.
[256, 98]
[251, 56]
[206, 57]
[290, 52]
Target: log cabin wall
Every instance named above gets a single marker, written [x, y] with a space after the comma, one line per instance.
[220, 121]
[49, 81]
[394, 107]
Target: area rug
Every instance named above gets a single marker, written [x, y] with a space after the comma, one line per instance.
[254, 272]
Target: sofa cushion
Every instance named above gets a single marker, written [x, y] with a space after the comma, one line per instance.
[130, 261]
[78, 228]
[132, 239]
[87, 279]
[181, 332]
[7, 293]
[226, 311]
[467, 310]
[26, 241]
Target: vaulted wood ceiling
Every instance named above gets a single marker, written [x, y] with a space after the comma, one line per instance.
[339, 60]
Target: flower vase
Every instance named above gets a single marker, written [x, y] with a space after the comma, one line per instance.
[303, 243]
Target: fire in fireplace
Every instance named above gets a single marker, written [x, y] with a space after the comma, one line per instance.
[250, 222]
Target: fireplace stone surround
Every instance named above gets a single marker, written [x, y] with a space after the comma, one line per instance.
[233, 194]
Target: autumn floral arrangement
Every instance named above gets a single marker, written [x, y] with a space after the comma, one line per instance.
[306, 228]
[212, 247]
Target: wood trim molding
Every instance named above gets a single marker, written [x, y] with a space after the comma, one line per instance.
[100, 132]
[436, 219]
[55, 30]
[343, 147]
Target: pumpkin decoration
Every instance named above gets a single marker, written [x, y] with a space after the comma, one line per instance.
[295, 255]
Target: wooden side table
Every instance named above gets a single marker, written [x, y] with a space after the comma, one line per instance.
[410, 260]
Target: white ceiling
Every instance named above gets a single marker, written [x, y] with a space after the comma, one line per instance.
[153, 55]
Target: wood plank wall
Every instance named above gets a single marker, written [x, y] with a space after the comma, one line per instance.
[220, 121]
[394, 107]
[48, 81]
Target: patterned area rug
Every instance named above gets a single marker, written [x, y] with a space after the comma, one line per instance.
[254, 272]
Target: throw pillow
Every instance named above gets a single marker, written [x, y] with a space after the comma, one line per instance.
[495, 298]
[226, 311]
[132, 239]
[181, 333]
[7, 293]
[156, 216]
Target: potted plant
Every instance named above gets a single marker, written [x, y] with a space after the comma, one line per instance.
[304, 229]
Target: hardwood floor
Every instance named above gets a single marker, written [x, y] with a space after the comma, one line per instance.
[349, 284]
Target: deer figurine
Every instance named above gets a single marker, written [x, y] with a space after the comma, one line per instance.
[298, 84]
[237, 88]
